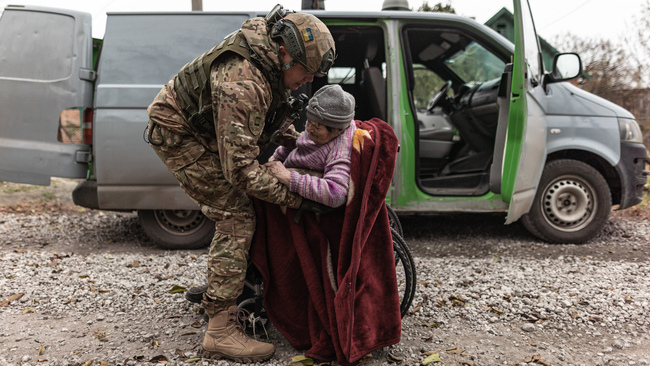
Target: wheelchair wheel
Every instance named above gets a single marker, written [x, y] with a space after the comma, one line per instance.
[393, 221]
[405, 268]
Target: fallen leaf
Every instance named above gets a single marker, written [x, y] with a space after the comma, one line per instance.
[154, 343]
[190, 360]
[196, 325]
[11, 298]
[575, 315]
[536, 359]
[628, 298]
[134, 264]
[365, 359]
[69, 300]
[455, 350]
[431, 359]
[42, 360]
[88, 363]
[29, 310]
[573, 294]
[180, 352]
[433, 324]
[103, 363]
[393, 359]
[176, 289]
[41, 350]
[159, 359]
[302, 360]
[188, 333]
[457, 301]
[595, 318]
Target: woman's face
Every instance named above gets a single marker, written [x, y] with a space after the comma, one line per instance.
[320, 134]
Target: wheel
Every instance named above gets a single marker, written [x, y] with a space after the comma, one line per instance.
[572, 203]
[393, 221]
[405, 268]
[177, 229]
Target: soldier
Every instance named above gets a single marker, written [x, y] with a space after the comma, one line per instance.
[210, 123]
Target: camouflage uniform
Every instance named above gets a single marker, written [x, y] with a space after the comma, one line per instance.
[219, 172]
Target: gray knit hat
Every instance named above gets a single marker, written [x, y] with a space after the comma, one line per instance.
[331, 106]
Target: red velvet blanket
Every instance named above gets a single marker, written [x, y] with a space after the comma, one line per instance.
[329, 280]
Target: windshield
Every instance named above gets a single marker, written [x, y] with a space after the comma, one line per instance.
[474, 64]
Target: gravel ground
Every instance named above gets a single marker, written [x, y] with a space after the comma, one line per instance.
[87, 286]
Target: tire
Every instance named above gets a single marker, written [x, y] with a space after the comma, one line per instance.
[394, 222]
[177, 229]
[572, 203]
[405, 268]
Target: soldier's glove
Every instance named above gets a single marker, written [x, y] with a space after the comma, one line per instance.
[309, 205]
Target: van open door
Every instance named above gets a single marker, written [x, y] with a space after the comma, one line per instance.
[524, 138]
[46, 67]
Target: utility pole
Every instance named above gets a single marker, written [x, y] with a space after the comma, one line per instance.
[197, 5]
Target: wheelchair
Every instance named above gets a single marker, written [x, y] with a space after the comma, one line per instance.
[251, 298]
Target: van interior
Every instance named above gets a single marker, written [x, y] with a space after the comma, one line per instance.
[453, 83]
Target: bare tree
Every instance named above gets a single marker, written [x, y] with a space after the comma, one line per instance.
[437, 8]
[637, 40]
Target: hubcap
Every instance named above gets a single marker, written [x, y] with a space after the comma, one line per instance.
[568, 204]
[180, 222]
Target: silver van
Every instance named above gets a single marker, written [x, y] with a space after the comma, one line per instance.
[482, 126]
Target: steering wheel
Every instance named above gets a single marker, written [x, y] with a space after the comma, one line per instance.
[439, 97]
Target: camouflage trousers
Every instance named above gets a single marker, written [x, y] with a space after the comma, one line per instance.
[196, 165]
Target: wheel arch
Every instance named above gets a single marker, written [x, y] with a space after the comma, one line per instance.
[597, 162]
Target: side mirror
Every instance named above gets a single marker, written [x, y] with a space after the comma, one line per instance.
[566, 66]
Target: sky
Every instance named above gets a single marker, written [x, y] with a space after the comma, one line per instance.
[599, 19]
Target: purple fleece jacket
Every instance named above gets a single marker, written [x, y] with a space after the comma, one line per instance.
[333, 159]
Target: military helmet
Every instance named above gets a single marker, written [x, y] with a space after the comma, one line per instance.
[308, 41]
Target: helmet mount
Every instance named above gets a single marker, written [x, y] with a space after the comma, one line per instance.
[306, 38]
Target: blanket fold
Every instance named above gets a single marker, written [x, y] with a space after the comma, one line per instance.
[329, 280]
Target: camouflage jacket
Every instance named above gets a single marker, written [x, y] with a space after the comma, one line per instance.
[241, 98]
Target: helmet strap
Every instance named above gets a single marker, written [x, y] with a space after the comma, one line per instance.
[288, 65]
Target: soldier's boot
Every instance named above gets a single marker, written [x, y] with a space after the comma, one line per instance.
[225, 336]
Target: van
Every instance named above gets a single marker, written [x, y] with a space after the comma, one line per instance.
[482, 126]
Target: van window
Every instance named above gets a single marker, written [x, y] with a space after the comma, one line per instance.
[50, 38]
[149, 50]
[425, 84]
[341, 75]
[474, 64]
[452, 55]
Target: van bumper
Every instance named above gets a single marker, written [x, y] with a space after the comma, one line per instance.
[634, 176]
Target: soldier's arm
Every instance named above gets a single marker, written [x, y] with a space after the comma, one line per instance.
[241, 97]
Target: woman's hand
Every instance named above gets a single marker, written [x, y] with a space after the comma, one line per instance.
[279, 171]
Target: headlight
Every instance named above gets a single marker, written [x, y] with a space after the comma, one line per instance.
[630, 130]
